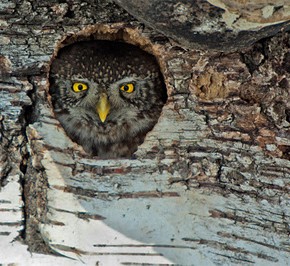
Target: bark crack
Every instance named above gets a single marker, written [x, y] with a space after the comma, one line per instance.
[33, 182]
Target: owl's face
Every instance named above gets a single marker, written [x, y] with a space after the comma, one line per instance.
[106, 95]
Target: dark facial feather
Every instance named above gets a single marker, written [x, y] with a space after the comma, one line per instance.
[105, 66]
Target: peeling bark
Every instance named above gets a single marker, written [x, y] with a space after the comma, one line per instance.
[221, 25]
[210, 184]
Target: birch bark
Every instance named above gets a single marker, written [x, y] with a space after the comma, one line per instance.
[210, 184]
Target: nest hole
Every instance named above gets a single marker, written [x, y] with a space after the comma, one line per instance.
[106, 93]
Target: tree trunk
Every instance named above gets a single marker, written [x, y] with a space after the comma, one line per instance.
[209, 185]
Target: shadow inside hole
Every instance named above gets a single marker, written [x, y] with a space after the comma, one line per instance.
[107, 95]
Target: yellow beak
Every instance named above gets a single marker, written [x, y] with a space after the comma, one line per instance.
[103, 107]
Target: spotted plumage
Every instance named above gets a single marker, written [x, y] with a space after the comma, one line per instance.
[107, 95]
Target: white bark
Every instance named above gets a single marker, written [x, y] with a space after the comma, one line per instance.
[209, 186]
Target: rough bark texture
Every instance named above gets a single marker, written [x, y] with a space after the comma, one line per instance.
[210, 184]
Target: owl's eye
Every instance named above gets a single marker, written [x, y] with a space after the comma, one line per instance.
[79, 86]
[128, 88]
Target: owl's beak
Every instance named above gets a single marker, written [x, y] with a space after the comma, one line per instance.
[103, 107]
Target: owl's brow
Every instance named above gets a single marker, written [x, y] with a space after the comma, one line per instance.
[134, 78]
[79, 78]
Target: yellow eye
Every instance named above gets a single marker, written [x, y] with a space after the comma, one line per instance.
[79, 86]
[128, 88]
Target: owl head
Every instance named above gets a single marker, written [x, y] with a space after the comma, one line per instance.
[107, 95]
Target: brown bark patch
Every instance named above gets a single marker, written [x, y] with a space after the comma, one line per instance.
[209, 85]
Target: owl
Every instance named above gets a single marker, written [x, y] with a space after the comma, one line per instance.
[107, 95]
